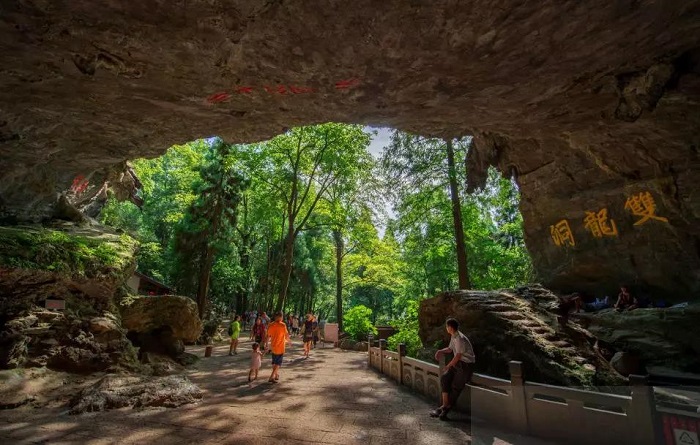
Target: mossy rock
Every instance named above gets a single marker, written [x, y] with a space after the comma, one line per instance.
[67, 250]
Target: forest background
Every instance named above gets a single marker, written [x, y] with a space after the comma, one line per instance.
[312, 221]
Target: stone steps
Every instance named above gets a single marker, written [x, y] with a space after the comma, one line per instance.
[513, 316]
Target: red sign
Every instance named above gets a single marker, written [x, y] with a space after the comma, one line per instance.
[680, 430]
[58, 305]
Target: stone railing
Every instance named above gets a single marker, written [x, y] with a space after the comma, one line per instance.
[551, 412]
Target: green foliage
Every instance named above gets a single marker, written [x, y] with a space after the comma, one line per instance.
[407, 326]
[322, 183]
[358, 323]
[204, 231]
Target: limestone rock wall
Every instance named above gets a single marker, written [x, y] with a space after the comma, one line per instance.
[86, 267]
[589, 104]
[518, 325]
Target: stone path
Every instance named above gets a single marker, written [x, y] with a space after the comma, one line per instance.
[330, 398]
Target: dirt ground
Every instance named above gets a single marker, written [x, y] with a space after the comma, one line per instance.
[330, 398]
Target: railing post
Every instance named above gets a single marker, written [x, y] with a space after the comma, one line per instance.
[370, 339]
[382, 347]
[642, 408]
[518, 406]
[402, 354]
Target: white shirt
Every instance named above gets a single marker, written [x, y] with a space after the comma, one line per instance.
[459, 343]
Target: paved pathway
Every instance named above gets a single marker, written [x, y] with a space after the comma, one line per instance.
[330, 398]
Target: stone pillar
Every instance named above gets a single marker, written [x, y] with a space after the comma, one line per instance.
[519, 420]
[370, 340]
[382, 348]
[642, 411]
[402, 354]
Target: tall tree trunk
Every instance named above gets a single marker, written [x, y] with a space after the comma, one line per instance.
[204, 275]
[243, 291]
[287, 266]
[207, 262]
[462, 270]
[339, 247]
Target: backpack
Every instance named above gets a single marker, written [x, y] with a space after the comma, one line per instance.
[230, 329]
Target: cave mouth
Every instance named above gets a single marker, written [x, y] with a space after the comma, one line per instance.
[591, 104]
[160, 340]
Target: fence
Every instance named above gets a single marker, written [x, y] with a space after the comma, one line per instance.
[550, 412]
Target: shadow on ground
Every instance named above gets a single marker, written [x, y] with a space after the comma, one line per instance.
[330, 398]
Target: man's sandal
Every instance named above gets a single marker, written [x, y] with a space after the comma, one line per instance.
[436, 412]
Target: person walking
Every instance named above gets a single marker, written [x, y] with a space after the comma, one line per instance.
[458, 372]
[258, 331]
[307, 334]
[277, 338]
[295, 325]
[251, 320]
[234, 330]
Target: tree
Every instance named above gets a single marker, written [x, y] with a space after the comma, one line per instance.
[213, 214]
[348, 215]
[462, 269]
[300, 166]
[415, 163]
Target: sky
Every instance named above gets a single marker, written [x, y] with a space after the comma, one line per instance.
[379, 141]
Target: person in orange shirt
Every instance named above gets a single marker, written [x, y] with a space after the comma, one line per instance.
[277, 338]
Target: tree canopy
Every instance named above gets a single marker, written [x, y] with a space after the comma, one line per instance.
[311, 221]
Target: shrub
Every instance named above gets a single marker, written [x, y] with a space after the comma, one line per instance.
[407, 327]
[357, 322]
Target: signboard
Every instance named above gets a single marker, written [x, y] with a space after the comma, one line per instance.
[680, 430]
[58, 305]
[330, 332]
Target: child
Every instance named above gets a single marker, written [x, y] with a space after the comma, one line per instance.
[255, 362]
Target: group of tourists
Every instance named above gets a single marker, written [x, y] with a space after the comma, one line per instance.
[272, 336]
[574, 303]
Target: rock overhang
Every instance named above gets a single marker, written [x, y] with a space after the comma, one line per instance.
[591, 104]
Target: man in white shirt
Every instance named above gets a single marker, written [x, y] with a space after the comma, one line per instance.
[458, 372]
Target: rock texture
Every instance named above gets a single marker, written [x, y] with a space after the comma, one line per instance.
[112, 392]
[148, 314]
[87, 267]
[83, 266]
[506, 325]
[657, 337]
[587, 104]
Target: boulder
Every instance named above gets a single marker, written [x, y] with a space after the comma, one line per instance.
[146, 315]
[626, 363]
[79, 360]
[361, 346]
[114, 391]
[658, 337]
[105, 329]
[518, 325]
[347, 344]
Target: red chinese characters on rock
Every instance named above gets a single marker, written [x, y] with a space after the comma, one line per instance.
[80, 184]
[278, 90]
[345, 84]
